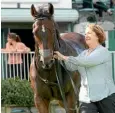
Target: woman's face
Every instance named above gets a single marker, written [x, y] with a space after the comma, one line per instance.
[90, 36]
[10, 40]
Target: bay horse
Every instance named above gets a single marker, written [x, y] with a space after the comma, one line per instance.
[49, 77]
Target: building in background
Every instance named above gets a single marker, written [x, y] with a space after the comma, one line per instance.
[16, 17]
[69, 15]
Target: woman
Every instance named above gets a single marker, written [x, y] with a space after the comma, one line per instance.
[97, 92]
[97, 4]
[15, 47]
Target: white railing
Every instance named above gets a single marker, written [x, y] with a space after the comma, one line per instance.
[16, 70]
[22, 71]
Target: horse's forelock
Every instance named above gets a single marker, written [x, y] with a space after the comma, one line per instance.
[44, 10]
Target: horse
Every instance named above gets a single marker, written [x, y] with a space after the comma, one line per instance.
[49, 77]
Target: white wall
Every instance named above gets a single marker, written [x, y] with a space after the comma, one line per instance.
[27, 3]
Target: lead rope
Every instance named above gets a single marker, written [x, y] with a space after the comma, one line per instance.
[76, 90]
[58, 72]
[58, 67]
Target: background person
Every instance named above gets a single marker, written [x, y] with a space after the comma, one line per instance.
[15, 48]
[97, 4]
[112, 3]
[97, 91]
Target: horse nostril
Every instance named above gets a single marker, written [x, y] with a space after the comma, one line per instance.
[41, 61]
[47, 65]
[52, 61]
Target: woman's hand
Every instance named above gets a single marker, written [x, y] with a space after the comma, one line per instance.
[22, 48]
[59, 56]
[27, 49]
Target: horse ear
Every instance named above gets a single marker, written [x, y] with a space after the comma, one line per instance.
[33, 10]
[51, 9]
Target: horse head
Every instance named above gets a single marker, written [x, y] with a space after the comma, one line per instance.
[44, 33]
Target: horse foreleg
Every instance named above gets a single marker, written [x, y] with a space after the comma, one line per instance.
[72, 97]
[71, 103]
[40, 104]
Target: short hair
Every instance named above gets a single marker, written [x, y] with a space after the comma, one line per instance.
[99, 31]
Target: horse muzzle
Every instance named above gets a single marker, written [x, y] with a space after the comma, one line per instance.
[46, 57]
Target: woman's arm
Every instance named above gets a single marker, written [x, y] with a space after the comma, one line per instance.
[65, 62]
[96, 58]
[3, 49]
[9, 48]
[69, 66]
[22, 48]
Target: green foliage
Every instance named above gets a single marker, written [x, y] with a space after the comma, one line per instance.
[16, 92]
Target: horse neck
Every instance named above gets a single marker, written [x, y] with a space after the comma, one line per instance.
[65, 48]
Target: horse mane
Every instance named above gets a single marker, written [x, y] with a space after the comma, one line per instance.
[57, 35]
[68, 41]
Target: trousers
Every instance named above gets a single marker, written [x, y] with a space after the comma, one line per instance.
[107, 105]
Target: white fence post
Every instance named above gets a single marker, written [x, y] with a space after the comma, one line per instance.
[16, 70]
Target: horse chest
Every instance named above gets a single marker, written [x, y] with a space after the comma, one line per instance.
[48, 74]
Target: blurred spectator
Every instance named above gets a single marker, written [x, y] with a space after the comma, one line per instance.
[15, 48]
[97, 4]
[112, 3]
